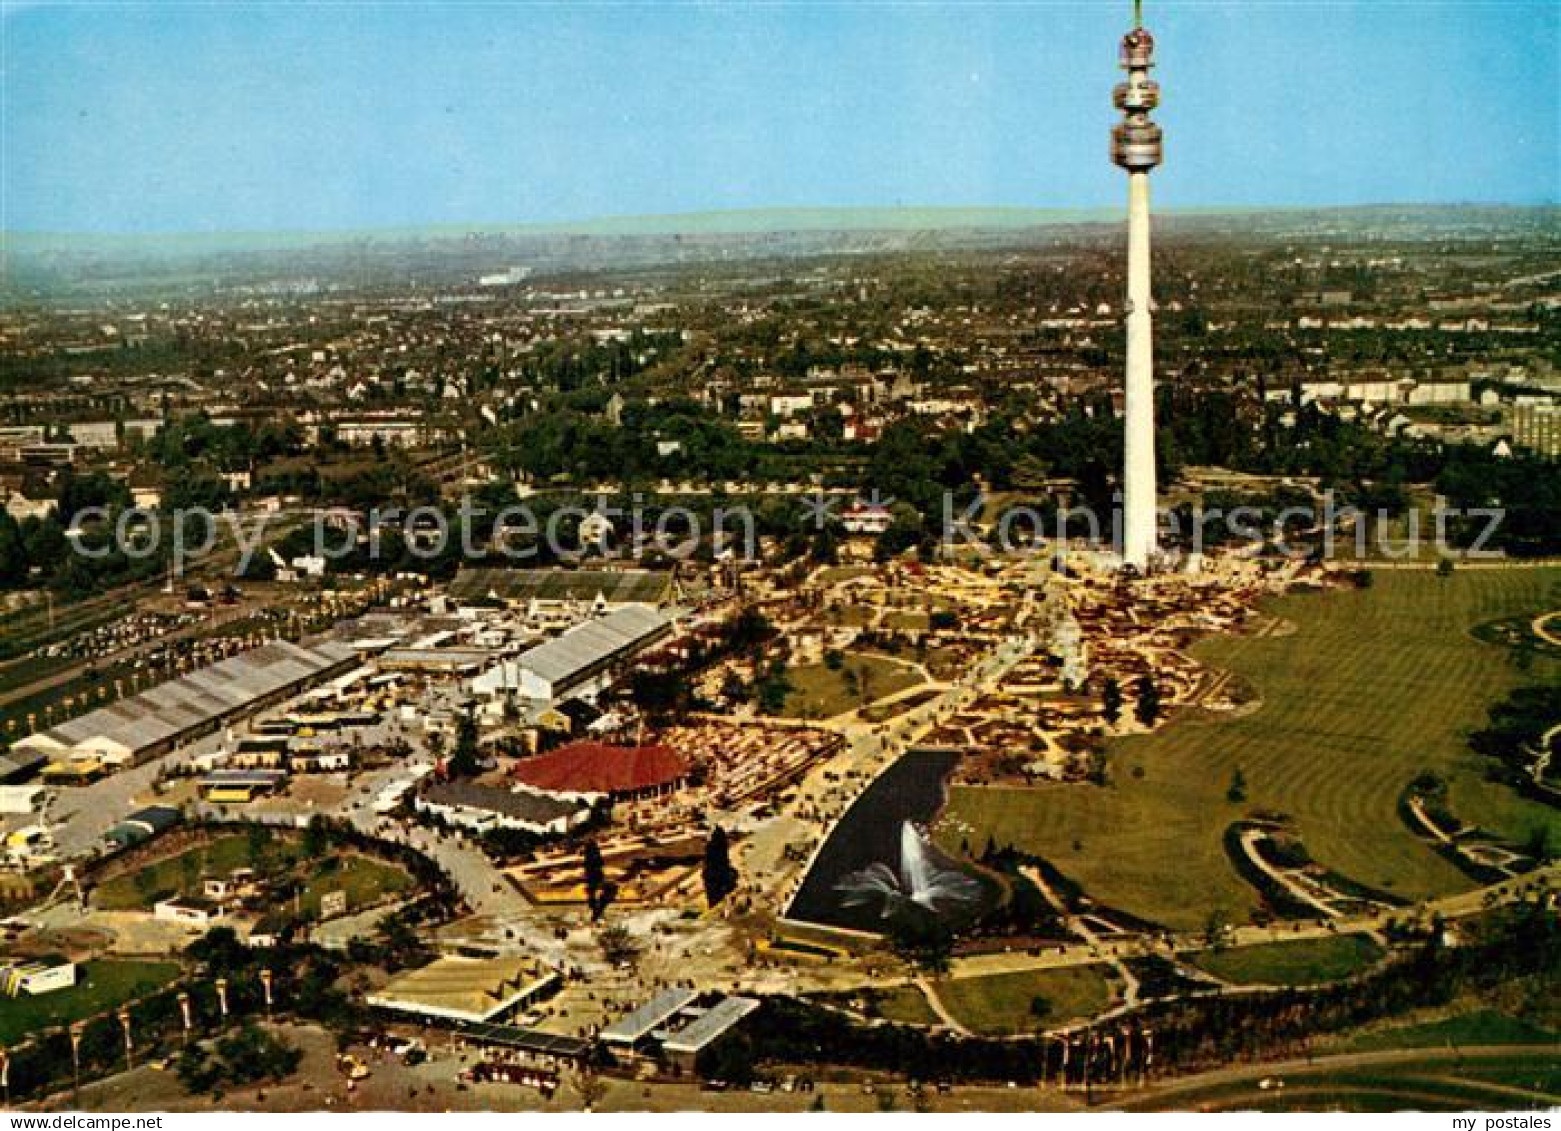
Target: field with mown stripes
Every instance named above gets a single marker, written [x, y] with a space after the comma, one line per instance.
[1375, 686]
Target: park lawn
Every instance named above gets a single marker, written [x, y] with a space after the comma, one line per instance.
[1375, 686]
[819, 693]
[906, 1005]
[1304, 962]
[364, 880]
[173, 876]
[100, 986]
[1466, 1030]
[1432, 1086]
[1000, 1004]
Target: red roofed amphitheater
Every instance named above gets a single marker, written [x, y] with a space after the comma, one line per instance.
[621, 772]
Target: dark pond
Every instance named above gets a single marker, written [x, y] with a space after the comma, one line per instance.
[869, 833]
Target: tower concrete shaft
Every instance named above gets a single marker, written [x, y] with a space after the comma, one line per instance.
[1136, 148]
[1138, 471]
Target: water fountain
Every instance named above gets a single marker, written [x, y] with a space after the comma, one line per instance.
[920, 882]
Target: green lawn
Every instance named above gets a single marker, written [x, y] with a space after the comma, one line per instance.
[1304, 962]
[1467, 1030]
[1375, 686]
[99, 986]
[363, 879]
[818, 692]
[1000, 1004]
[904, 1005]
[181, 874]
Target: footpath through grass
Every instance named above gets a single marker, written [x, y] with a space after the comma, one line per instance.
[1374, 687]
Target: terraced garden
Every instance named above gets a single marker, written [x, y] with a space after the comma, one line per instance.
[1376, 686]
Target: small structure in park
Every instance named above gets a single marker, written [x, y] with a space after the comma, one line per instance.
[33, 976]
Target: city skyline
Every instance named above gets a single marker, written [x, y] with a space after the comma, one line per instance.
[176, 117]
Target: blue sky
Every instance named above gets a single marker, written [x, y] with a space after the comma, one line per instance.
[233, 116]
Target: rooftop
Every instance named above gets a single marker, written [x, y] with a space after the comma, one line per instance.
[464, 989]
[594, 767]
[530, 807]
[710, 1025]
[593, 641]
[616, 587]
[648, 1017]
[170, 708]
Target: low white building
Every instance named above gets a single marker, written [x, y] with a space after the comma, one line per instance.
[34, 976]
[189, 910]
[20, 799]
[480, 808]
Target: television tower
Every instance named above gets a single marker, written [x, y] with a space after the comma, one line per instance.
[1135, 146]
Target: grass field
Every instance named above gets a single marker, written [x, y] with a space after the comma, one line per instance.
[1520, 1081]
[1000, 1004]
[174, 876]
[1466, 1030]
[904, 1005]
[1304, 962]
[364, 880]
[818, 693]
[99, 986]
[1375, 686]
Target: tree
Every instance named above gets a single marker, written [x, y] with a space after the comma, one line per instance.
[258, 846]
[595, 880]
[719, 875]
[317, 838]
[1111, 701]
[1148, 709]
[1541, 844]
[1237, 793]
[463, 759]
[618, 946]
[219, 950]
[189, 871]
[773, 688]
